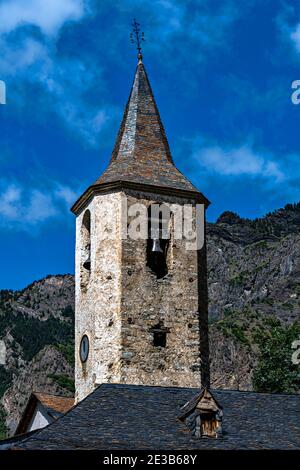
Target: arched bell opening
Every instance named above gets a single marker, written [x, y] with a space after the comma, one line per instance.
[85, 267]
[158, 239]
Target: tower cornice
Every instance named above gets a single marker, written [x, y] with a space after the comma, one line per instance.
[120, 185]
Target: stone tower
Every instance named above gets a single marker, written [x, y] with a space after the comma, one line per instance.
[141, 309]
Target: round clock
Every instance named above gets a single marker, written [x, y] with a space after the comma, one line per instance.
[84, 348]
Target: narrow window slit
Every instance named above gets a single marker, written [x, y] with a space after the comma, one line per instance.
[159, 333]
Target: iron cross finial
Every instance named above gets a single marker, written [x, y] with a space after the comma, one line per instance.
[137, 37]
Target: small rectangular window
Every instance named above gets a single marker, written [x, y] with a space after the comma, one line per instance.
[159, 338]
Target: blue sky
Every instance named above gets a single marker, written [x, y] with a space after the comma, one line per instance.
[221, 72]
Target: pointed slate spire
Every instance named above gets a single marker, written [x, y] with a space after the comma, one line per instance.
[141, 157]
[141, 153]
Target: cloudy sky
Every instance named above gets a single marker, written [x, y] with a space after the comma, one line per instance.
[221, 71]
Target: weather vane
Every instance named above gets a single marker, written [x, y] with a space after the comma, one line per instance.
[137, 37]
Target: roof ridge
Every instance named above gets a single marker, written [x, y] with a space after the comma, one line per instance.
[161, 126]
[212, 390]
[51, 395]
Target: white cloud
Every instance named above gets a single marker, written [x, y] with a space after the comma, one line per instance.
[22, 209]
[48, 15]
[8, 202]
[173, 14]
[18, 59]
[295, 37]
[236, 166]
[65, 194]
[201, 26]
[62, 80]
[65, 81]
[239, 161]
[289, 32]
[39, 208]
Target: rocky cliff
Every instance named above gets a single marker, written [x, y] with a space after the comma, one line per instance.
[37, 328]
[254, 293]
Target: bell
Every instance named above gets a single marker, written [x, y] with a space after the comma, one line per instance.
[156, 248]
[87, 263]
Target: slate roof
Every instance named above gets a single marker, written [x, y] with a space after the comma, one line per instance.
[143, 417]
[141, 154]
[12, 442]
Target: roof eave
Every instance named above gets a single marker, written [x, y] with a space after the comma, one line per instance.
[120, 185]
[27, 415]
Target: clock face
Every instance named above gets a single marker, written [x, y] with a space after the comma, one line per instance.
[84, 348]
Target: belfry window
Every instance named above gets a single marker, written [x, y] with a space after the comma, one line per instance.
[158, 239]
[85, 248]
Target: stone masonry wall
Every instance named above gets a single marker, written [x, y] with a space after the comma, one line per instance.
[97, 306]
[123, 300]
[146, 300]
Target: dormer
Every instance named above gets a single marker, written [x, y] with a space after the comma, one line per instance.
[203, 415]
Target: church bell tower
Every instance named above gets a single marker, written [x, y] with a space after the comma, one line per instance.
[141, 304]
